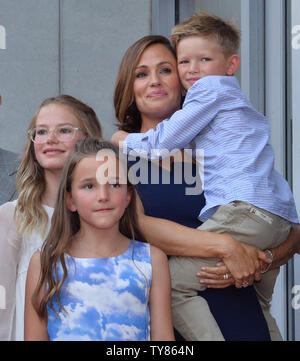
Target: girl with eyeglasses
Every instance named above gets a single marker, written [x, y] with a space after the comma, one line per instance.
[56, 126]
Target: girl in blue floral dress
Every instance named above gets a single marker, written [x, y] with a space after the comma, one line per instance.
[92, 280]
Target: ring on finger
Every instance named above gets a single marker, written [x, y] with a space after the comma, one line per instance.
[225, 276]
[245, 284]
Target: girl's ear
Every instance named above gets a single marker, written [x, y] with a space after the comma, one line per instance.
[70, 204]
[233, 64]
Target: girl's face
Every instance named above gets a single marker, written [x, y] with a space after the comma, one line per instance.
[156, 86]
[99, 200]
[52, 154]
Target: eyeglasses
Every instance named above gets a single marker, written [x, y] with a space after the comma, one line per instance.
[64, 133]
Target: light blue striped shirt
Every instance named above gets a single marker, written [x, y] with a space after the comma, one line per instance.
[238, 161]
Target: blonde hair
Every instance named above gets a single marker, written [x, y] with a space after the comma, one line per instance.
[65, 224]
[206, 25]
[126, 110]
[29, 212]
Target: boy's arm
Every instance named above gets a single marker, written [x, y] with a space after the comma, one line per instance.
[200, 107]
[35, 328]
[161, 327]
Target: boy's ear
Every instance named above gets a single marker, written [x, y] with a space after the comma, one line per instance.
[70, 205]
[233, 64]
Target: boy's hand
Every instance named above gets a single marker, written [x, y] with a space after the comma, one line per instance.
[119, 137]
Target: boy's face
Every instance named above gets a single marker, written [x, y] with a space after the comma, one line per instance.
[199, 57]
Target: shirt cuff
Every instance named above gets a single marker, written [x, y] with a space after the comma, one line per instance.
[136, 142]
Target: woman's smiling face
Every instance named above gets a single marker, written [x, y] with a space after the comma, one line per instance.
[156, 85]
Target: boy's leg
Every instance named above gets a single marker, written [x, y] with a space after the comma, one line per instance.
[247, 224]
[265, 288]
[262, 229]
[191, 314]
[264, 297]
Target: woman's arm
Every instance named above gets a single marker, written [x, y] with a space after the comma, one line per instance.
[35, 328]
[213, 276]
[161, 327]
[243, 261]
[286, 250]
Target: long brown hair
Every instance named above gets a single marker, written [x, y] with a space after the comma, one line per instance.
[65, 224]
[31, 185]
[126, 110]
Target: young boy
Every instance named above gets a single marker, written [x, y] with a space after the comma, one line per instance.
[245, 197]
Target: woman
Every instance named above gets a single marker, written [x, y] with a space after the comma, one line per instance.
[147, 91]
[52, 134]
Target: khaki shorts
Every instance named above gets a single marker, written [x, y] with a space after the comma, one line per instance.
[242, 221]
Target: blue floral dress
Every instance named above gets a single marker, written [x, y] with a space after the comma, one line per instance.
[105, 298]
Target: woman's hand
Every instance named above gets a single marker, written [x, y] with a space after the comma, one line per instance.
[216, 277]
[220, 276]
[244, 262]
